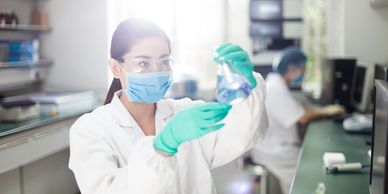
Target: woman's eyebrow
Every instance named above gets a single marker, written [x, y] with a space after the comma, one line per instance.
[165, 55]
[148, 57]
[142, 57]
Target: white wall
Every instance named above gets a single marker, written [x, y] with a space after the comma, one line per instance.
[357, 29]
[336, 27]
[78, 44]
[366, 31]
[237, 25]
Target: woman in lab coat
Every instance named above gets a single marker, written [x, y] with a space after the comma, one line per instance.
[140, 143]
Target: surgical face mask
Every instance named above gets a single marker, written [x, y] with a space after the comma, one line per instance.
[147, 87]
[297, 81]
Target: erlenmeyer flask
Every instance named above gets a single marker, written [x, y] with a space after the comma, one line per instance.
[232, 88]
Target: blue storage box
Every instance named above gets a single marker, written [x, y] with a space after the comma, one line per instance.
[22, 45]
[23, 56]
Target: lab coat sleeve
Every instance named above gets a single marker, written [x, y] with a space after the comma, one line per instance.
[245, 124]
[96, 168]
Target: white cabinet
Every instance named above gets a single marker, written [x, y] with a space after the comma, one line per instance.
[292, 9]
[49, 175]
[293, 30]
[10, 182]
[35, 161]
[22, 148]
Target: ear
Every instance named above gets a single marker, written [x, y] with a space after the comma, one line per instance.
[114, 67]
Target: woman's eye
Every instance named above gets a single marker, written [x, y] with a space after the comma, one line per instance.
[165, 62]
[143, 64]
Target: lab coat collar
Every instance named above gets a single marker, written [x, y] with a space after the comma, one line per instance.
[125, 119]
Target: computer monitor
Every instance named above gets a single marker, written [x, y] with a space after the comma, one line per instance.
[265, 10]
[379, 172]
[266, 29]
[362, 86]
[337, 76]
[381, 72]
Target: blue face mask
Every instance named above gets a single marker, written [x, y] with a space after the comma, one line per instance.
[297, 81]
[147, 87]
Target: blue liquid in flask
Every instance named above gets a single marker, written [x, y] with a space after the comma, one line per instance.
[232, 88]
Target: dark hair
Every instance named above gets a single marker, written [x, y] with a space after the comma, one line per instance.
[127, 34]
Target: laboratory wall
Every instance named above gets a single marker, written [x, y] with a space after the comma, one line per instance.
[366, 31]
[237, 27]
[78, 45]
[335, 28]
[90, 44]
[359, 30]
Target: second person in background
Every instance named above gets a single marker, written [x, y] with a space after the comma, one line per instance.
[279, 150]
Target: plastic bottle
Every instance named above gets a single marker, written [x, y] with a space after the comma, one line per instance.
[2, 18]
[13, 18]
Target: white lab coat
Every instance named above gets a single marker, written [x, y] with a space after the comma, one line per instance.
[279, 149]
[109, 154]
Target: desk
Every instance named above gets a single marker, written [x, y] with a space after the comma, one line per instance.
[329, 136]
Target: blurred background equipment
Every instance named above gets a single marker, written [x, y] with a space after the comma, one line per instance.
[337, 81]
[53, 103]
[39, 16]
[358, 123]
[362, 87]
[8, 17]
[185, 83]
[379, 170]
[18, 110]
[274, 25]
[20, 51]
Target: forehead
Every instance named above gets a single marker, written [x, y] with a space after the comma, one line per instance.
[152, 47]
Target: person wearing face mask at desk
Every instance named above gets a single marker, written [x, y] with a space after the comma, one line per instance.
[139, 143]
[279, 149]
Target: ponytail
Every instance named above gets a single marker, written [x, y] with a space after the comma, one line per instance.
[114, 87]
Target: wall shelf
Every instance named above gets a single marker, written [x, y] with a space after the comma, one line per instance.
[278, 20]
[26, 64]
[25, 28]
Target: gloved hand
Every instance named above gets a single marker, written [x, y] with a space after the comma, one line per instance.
[238, 59]
[332, 110]
[189, 124]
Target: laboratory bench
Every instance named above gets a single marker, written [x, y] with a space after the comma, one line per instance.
[328, 135]
[34, 155]
[7, 128]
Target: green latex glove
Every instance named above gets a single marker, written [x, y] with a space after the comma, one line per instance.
[238, 59]
[189, 124]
